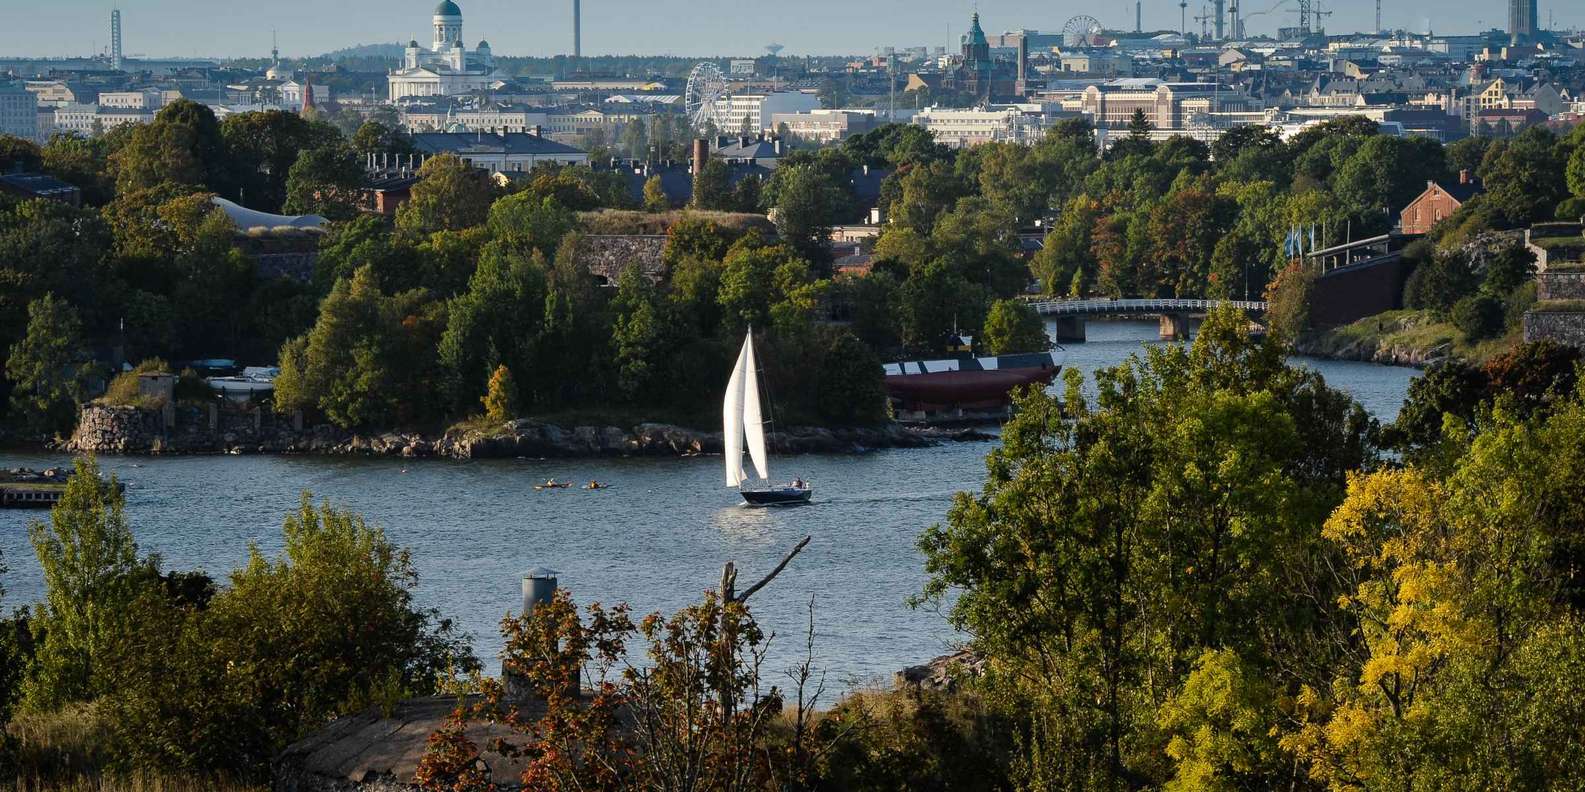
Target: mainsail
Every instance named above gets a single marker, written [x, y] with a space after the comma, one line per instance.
[732, 420]
[741, 420]
[753, 422]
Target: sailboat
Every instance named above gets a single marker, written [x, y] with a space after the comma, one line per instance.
[743, 428]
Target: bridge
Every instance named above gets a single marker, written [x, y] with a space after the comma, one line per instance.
[1175, 314]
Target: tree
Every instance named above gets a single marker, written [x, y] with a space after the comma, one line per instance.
[262, 147]
[91, 572]
[449, 196]
[1439, 282]
[497, 321]
[183, 144]
[1576, 172]
[369, 360]
[374, 137]
[1524, 178]
[526, 222]
[48, 367]
[639, 334]
[18, 155]
[655, 198]
[804, 211]
[849, 390]
[712, 186]
[500, 398]
[1011, 327]
[324, 181]
[1478, 316]
[1129, 534]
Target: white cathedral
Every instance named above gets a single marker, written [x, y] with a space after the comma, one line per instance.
[447, 68]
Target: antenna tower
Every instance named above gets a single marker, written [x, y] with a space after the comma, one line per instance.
[115, 39]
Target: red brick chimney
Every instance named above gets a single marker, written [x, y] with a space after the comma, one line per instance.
[1463, 176]
[701, 155]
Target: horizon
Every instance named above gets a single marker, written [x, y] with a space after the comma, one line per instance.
[80, 28]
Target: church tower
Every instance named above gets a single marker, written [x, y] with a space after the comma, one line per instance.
[448, 25]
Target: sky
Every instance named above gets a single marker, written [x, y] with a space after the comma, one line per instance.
[222, 28]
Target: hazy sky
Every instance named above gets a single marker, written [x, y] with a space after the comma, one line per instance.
[681, 27]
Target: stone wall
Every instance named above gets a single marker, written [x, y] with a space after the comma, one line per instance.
[608, 256]
[1560, 286]
[1564, 327]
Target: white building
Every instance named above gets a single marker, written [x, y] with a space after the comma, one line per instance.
[758, 108]
[133, 100]
[18, 111]
[447, 68]
[87, 119]
[1015, 123]
[509, 153]
[826, 126]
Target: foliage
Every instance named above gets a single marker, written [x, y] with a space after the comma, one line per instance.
[1012, 326]
[450, 195]
[1478, 316]
[47, 366]
[1114, 544]
[655, 198]
[693, 715]
[500, 397]
[91, 575]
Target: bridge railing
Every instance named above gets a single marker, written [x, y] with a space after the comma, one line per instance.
[1098, 307]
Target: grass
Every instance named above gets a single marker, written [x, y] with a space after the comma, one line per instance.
[1409, 329]
[1559, 306]
[67, 751]
[625, 221]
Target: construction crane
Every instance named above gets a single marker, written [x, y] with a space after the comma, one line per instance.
[1245, 18]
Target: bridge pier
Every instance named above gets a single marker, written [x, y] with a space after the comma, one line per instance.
[1069, 329]
[1175, 327]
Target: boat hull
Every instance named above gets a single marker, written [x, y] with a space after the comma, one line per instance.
[780, 496]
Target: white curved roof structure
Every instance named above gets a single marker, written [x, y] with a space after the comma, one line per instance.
[246, 218]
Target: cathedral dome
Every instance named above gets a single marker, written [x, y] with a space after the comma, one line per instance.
[447, 8]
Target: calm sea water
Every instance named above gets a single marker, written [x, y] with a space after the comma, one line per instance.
[656, 540]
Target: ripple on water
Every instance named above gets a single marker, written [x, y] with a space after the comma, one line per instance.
[656, 539]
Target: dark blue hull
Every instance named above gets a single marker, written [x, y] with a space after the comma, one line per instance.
[780, 496]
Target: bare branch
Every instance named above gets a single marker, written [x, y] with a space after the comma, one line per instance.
[773, 573]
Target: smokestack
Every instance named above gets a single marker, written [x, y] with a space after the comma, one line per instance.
[1139, 16]
[1023, 59]
[577, 31]
[701, 154]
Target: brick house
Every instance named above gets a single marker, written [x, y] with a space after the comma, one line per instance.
[1436, 203]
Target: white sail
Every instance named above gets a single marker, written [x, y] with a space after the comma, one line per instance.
[732, 419]
[753, 421]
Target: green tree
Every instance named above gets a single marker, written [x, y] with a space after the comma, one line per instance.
[369, 360]
[639, 335]
[18, 155]
[805, 205]
[183, 144]
[91, 572]
[48, 367]
[712, 186]
[263, 147]
[449, 196]
[324, 181]
[849, 390]
[1012, 326]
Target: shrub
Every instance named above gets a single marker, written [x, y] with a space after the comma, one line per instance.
[123, 390]
[1437, 284]
[1572, 209]
[1478, 316]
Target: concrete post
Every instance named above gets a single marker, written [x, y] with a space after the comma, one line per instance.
[1070, 329]
[1174, 327]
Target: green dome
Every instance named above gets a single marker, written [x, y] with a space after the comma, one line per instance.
[447, 8]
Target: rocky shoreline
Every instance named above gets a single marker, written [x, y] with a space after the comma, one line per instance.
[1385, 353]
[105, 429]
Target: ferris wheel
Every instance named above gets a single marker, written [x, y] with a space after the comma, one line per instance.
[706, 86]
[1081, 31]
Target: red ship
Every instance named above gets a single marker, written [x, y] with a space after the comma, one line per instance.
[965, 389]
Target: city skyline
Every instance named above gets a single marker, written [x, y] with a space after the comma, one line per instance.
[169, 28]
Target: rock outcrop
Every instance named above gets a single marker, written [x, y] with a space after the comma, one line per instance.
[107, 429]
[943, 673]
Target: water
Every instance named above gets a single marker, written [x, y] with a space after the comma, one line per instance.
[656, 540]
